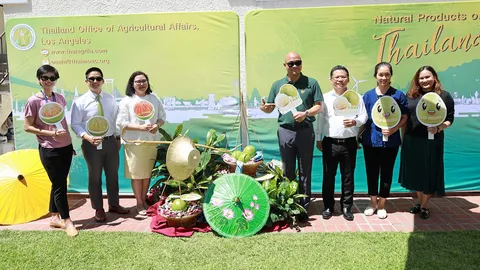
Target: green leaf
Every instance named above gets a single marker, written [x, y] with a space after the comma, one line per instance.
[290, 201]
[275, 217]
[211, 136]
[204, 159]
[295, 212]
[292, 188]
[221, 151]
[219, 138]
[165, 134]
[297, 196]
[279, 171]
[178, 131]
[300, 208]
[282, 189]
[175, 183]
[204, 182]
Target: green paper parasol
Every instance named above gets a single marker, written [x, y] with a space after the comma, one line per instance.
[236, 206]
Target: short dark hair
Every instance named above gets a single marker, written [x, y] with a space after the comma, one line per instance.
[130, 90]
[382, 64]
[92, 69]
[47, 69]
[339, 67]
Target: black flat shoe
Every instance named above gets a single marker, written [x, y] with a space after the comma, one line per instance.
[327, 213]
[415, 209]
[347, 213]
[425, 213]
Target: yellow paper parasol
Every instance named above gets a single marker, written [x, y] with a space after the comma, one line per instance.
[24, 187]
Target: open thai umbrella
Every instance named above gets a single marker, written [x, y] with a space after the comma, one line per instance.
[236, 205]
[24, 187]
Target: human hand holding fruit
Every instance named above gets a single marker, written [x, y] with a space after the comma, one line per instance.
[153, 129]
[59, 133]
[146, 127]
[299, 116]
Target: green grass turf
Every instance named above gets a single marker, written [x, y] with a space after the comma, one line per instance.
[113, 250]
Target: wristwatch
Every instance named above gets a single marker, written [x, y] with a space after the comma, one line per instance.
[307, 113]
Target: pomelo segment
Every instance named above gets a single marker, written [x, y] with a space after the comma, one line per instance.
[51, 113]
[143, 110]
[97, 126]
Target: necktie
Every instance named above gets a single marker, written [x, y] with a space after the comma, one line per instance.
[99, 106]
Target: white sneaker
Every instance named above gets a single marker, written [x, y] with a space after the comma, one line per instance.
[382, 213]
[369, 211]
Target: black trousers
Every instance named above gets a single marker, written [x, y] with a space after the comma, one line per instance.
[56, 162]
[297, 142]
[343, 152]
[106, 159]
[379, 161]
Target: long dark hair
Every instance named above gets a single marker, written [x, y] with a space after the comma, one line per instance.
[415, 87]
[130, 90]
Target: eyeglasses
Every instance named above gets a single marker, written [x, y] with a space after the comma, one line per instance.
[141, 82]
[294, 63]
[45, 78]
[92, 79]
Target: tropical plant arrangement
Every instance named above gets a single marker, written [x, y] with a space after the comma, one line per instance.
[283, 194]
[211, 164]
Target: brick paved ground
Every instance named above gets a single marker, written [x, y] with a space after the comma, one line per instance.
[447, 214]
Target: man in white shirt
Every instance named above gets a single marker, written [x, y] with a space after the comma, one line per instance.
[98, 103]
[339, 145]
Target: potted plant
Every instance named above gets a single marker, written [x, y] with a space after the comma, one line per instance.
[283, 194]
[210, 165]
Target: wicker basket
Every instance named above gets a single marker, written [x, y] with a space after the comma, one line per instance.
[250, 169]
[185, 221]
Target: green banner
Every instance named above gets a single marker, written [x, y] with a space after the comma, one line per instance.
[443, 35]
[192, 60]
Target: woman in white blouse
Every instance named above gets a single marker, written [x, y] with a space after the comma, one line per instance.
[140, 122]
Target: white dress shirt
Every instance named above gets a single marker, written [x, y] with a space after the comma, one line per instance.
[85, 107]
[331, 125]
[126, 115]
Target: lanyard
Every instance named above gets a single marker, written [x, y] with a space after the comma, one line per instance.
[46, 99]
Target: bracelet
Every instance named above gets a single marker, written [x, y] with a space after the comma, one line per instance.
[55, 134]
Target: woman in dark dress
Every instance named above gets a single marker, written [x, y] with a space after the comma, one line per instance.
[421, 167]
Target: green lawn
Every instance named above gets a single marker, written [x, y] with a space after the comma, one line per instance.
[96, 250]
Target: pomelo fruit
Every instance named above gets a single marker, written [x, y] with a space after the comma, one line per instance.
[97, 126]
[143, 110]
[352, 97]
[288, 90]
[236, 154]
[250, 150]
[179, 205]
[341, 103]
[51, 113]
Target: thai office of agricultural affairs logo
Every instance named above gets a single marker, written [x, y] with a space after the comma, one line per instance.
[22, 37]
